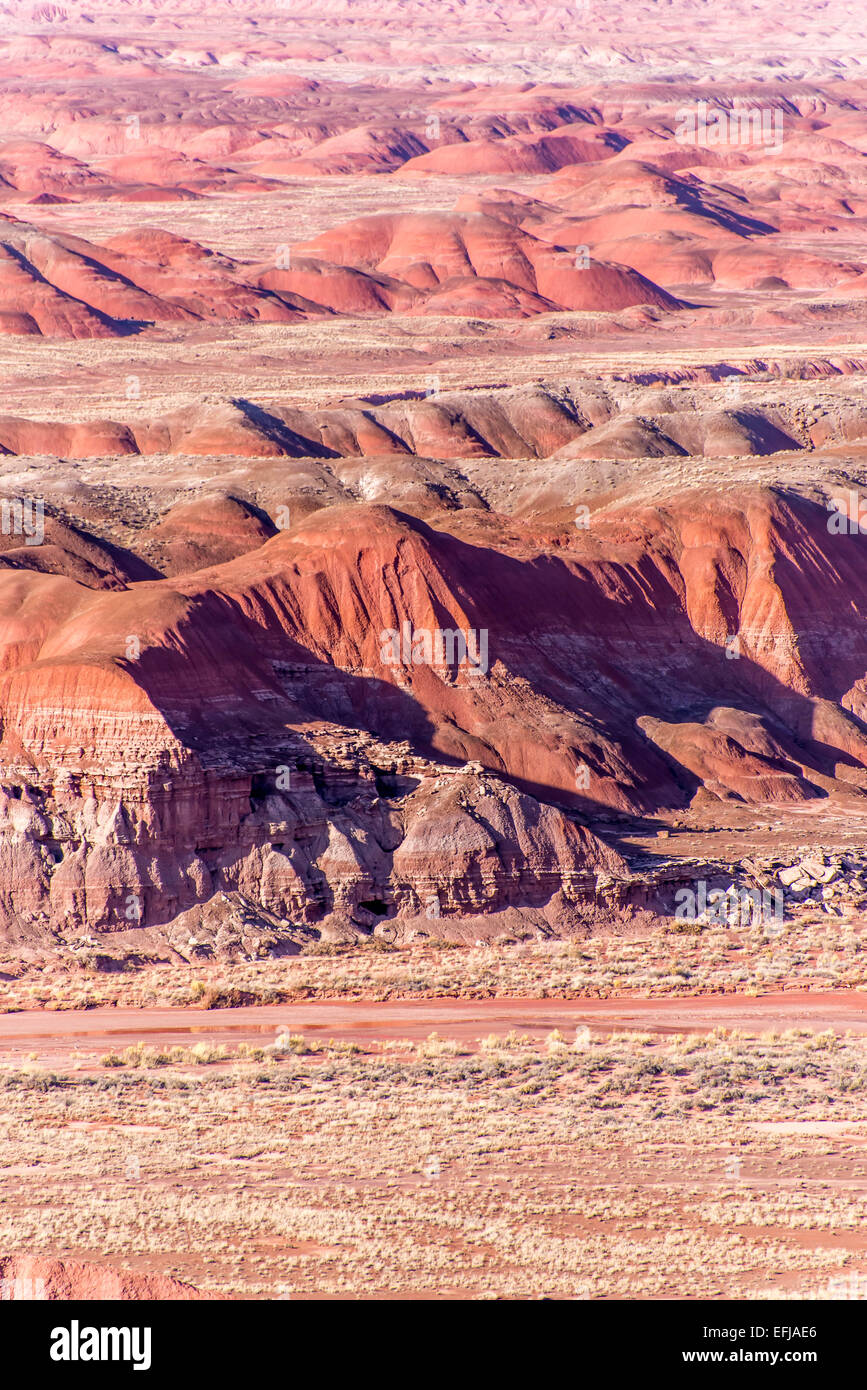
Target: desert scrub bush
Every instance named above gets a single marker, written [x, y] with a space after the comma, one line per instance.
[203, 1054]
[30, 1081]
[435, 1046]
[556, 1042]
[140, 1055]
[270, 994]
[505, 1042]
[496, 1042]
[294, 1043]
[222, 997]
[575, 951]
[340, 1046]
[638, 1077]
[628, 1039]
[851, 1080]
[327, 948]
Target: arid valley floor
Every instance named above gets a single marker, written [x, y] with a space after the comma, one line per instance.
[433, 650]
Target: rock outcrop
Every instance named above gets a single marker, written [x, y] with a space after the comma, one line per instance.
[37, 1278]
[354, 722]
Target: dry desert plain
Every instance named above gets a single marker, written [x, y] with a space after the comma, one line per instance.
[433, 650]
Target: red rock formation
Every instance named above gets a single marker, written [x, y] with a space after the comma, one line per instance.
[37, 1277]
[251, 728]
[63, 286]
[437, 251]
[198, 723]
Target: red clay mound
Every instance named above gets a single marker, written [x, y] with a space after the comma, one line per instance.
[72, 267]
[363, 150]
[36, 1277]
[627, 437]
[162, 170]
[344, 289]
[727, 433]
[427, 251]
[724, 766]
[521, 154]
[753, 267]
[215, 427]
[29, 166]
[665, 258]
[204, 531]
[148, 193]
[63, 286]
[87, 440]
[477, 297]
[28, 303]
[191, 278]
[322, 585]
[599, 286]
[520, 422]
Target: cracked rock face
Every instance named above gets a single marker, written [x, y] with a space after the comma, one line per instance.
[281, 866]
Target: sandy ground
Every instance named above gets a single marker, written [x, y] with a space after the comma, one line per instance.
[86, 1034]
[582, 1166]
